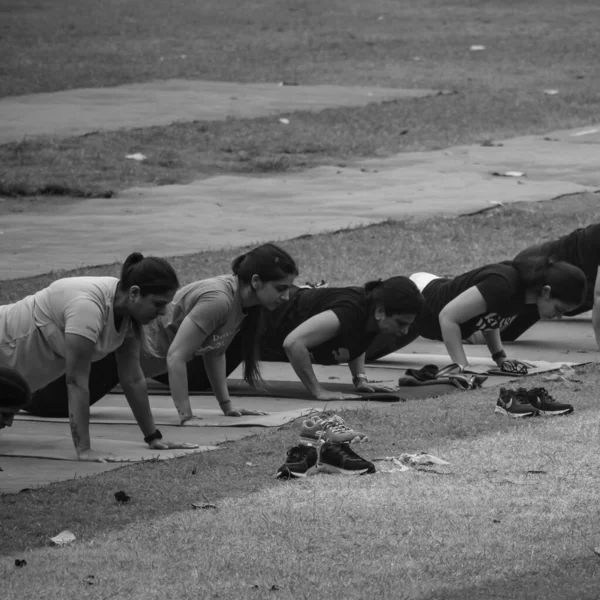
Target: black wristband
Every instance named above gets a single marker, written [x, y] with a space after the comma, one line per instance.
[499, 354]
[157, 435]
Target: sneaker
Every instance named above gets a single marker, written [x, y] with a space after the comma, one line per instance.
[514, 404]
[340, 458]
[298, 461]
[546, 405]
[329, 429]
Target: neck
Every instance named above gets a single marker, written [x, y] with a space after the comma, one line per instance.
[120, 304]
[248, 296]
[530, 297]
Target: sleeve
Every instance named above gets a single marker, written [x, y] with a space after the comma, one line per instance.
[351, 319]
[211, 311]
[590, 250]
[498, 289]
[84, 317]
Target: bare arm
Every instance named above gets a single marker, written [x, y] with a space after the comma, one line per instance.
[133, 382]
[467, 305]
[297, 345]
[187, 342]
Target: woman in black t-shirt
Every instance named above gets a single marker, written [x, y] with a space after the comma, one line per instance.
[485, 298]
[580, 248]
[329, 326]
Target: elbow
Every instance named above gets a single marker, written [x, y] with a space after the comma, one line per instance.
[290, 344]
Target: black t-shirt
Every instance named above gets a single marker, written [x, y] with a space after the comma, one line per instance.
[500, 286]
[580, 248]
[349, 305]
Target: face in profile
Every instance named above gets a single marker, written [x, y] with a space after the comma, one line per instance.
[272, 294]
[7, 415]
[552, 308]
[144, 309]
[398, 324]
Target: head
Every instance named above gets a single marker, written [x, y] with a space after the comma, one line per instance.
[558, 287]
[395, 304]
[14, 395]
[149, 284]
[269, 273]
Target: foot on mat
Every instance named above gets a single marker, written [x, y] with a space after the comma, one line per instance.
[340, 458]
[329, 428]
[515, 404]
[298, 461]
[546, 405]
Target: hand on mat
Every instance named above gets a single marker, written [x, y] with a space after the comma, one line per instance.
[193, 421]
[325, 395]
[167, 445]
[514, 366]
[244, 412]
[368, 387]
[101, 457]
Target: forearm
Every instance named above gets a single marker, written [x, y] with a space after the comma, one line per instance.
[357, 368]
[494, 344]
[216, 370]
[452, 337]
[136, 393]
[299, 358]
[79, 416]
[178, 383]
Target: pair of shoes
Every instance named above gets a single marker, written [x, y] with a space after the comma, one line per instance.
[329, 428]
[332, 457]
[528, 403]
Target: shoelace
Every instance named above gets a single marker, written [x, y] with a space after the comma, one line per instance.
[542, 394]
[297, 453]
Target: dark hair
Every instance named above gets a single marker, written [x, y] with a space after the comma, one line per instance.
[398, 295]
[151, 274]
[14, 390]
[567, 282]
[270, 263]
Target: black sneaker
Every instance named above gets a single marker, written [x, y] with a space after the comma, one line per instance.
[546, 405]
[336, 457]
[515, 404]
[298, 461]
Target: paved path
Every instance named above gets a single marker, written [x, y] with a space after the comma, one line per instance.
[234, 210]
[80, 111]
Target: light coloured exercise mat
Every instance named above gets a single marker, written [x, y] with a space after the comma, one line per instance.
[114, 410]
[57, 447]
[25, 473]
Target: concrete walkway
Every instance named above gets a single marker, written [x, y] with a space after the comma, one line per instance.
[234, 210]
[80, 111]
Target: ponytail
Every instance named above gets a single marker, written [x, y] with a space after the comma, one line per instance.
[151, 274]
[397, 295]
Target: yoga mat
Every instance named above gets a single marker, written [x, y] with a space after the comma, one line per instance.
[165, 416]
[61, 448]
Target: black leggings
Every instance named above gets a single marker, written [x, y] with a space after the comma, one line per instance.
[53, 400]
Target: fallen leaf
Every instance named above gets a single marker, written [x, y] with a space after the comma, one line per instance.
[509, 174]
[90, 580]
[20, 562]
[122, 497]
[551, 92]
[477, 47]
[204, 505]
[284, 121]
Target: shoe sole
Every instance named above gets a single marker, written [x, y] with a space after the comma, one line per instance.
[331, 469]
[287, 474]
[556, 413]
[506, 413]
[315, 443]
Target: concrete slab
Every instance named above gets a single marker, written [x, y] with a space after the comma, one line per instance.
[232, 210]
[80, 111]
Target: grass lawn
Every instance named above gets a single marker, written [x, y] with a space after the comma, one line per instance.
[484, 527]
[51, 45]
[489, 529]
